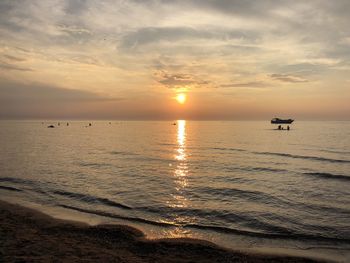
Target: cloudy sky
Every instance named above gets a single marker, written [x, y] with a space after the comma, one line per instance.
[128, 59]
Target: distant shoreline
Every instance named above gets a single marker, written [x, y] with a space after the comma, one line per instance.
[29, 235]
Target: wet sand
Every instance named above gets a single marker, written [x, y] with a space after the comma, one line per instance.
[27, 235]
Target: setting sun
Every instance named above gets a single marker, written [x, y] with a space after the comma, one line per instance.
[181, 98]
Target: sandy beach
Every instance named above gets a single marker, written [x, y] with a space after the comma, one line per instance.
[27, 235]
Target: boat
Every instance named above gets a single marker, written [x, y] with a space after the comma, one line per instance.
[50, 126]
[281, 121]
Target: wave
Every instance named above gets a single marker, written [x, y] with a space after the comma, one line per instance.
[228, 149]
[255, 169]
[81, 197]
[286, 234]
[265, 169]
[334, 151]
[338, 211]
[96, 165]
[260, 197]
[9, 188]
[16, 180]
[212, 215]
[91, 199]
[122, 153]
[255, 196]
[329, 176]
[110, 215]
[143, 158]
[167, 144]
[139, 157]
[304, 157]
[27, 185]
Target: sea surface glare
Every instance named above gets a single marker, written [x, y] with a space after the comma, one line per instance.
[239, 184]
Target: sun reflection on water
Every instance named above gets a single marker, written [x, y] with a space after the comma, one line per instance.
[181, 170]
[180, 200]
[181, 132]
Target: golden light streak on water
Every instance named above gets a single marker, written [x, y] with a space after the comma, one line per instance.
[181, 170]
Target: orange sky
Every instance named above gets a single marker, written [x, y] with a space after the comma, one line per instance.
[130, 59]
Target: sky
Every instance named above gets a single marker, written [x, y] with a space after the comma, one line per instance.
[233, 59]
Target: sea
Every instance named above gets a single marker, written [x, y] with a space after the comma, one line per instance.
[244, 185]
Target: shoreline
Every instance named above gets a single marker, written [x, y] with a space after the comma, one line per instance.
[30, 235]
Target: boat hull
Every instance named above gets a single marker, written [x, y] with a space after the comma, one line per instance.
[282, 121]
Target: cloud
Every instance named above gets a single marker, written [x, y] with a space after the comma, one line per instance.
[30, 100]
[9, 66]
[228, 7]
[74, 30]
[13, 58]
[149, 35]
[116, 46]
[340, 51]
[288, 78]
[252, 84]
[76, 7]
[303, 69]
[36, 93]
[178, 80]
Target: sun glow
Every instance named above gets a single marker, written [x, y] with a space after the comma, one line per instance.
[181, 98]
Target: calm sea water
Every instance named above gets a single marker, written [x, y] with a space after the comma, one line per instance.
[241, 184]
